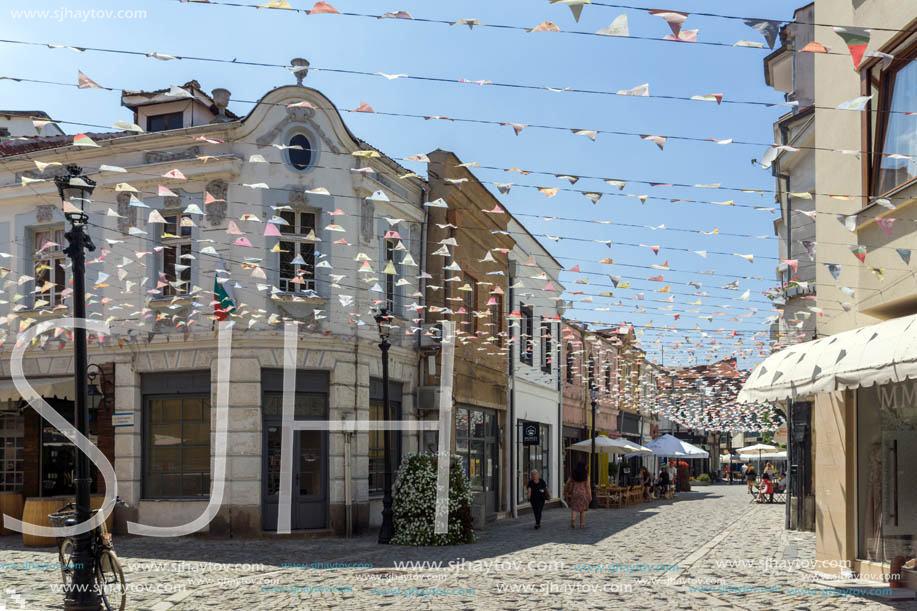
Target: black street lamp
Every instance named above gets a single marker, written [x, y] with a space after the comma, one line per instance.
[75, 191]
[594, 467]
[388, 525]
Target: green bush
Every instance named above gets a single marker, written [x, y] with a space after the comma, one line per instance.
[414, 502]
[703, 477]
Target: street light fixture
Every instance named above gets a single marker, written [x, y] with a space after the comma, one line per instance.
[388, 526]
[594, 396]
[75, 190]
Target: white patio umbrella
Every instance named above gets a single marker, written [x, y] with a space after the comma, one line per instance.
[610, 446]
[607, 445]
[760, 448]
[673, 447]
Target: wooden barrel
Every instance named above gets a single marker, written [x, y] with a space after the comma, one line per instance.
[36, 511]
[11, 505]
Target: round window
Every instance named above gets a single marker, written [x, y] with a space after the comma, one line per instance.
[301, 156]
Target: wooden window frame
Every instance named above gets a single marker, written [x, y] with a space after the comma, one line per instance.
[874, 142]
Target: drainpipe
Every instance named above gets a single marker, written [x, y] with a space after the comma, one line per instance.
[348, 438]
[559, 463]
[512, 398]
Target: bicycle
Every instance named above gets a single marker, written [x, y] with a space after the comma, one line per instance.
[108, 574]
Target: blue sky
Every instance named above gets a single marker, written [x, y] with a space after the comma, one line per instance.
[553, 59]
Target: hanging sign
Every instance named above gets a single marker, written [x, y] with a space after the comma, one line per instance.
[530, 434]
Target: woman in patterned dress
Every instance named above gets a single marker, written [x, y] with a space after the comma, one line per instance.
[578, 494]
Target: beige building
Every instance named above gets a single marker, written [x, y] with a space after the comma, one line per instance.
[864, 410]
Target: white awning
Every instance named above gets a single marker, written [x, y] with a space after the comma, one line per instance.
[62, 388]
[878, 354]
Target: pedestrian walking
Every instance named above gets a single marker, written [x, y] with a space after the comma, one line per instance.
[578, 494]
[538, 494]
[750, 477]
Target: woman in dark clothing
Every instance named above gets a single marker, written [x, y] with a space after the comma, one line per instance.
[538, 494]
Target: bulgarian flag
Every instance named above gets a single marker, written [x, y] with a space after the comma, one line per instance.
[223, 303]
[857, 39]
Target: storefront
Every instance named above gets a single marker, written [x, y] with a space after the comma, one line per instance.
[477, 441]
[534, 453]
[886, 456]
[864, 418]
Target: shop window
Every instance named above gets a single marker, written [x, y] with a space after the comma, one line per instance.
[534, 457]
[12, 452]
[177, 446]
[377, 436]
[886, 453]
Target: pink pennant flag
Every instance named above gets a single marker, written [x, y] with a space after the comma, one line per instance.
[323, 8]
[885, 225]
[242, 241]
[575, 268]
[233, 229]
[659, 140]
[209, 199]
[791, 263]
[655, 249]
[84, 82]
[270, 229]
[174, 174]
[675, 19]
[364, 107]
[394, 235]
[165, 192]
[549, 287]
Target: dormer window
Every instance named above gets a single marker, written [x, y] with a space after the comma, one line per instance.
[300, 152]
[161, 123]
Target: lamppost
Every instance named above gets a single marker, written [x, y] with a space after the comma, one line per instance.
[74, 190]
[388, 526]
[594, 396]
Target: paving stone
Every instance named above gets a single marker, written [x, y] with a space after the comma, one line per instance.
[698, 531]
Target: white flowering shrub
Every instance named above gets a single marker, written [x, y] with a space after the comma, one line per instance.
[414, 502]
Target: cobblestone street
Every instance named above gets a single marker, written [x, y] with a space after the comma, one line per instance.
[630, 548]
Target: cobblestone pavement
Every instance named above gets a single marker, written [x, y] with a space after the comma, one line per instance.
[562, 568]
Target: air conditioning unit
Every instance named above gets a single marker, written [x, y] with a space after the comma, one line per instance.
[432, 335]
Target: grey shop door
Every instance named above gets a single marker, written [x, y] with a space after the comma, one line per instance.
[310, 477]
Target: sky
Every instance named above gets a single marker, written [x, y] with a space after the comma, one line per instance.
[558, 60]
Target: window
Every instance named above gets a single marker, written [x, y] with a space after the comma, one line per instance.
[377, 436]
[571, 363]
[496, 318]
[297, 256]
[546, 347]
[608, 376]
[390, 278]
[12, 452]
[161, 123]
[591, 370]
[300, 153]
[899, 136]
[49, 259]
[177, 460]
[176, 254]
[526, 335]
[470, 303]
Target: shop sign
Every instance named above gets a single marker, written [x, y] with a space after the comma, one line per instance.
[122, 419]
[530, 432]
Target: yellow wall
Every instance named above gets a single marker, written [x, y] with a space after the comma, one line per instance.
[835, 496]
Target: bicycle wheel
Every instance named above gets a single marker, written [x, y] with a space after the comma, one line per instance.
[110, 579]
[65, 556]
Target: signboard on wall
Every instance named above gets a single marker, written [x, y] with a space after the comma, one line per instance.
[530, 434]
